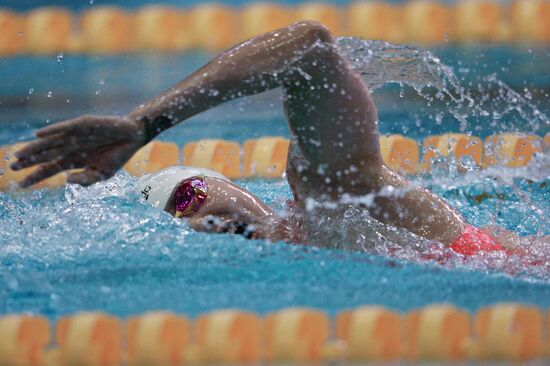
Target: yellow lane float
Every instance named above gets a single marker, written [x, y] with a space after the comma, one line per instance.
[23, 339]
[437, 333]
[529, 20]
[258, 18]
[219, 155]
[88, 339]
[375, 20]
[107, 30]
[265, 157]
[400, 153]
[48, 30]
[161, 28]
[371, 333]
[509, 332]
[477, 21]
[229, 337]
[153, 157]
[213, 26]
[426, 22]
[452, 144]
[11, 33]
[329, 15]
[157, 338]
[295, 335]
[511, 149]
[10, 178]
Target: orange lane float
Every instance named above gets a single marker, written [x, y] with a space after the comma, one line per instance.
[456, 145]
[161, 28]
[213, 26]
[375, 20]
[153, 157]
[10, 178]
[11, 33]
[228, 337]
[157, 338]
[437, 333]
[48, 30]
[258, 18]
[509, 332]
[477, 21]
[426, 22]
[371, 333]
[265, 157]
[400, 153]
[23, 339]
[219, 155]
[295, 335]
[511, 149]
[329, 15]
[529, 20]
[107, 30]
[88, 339]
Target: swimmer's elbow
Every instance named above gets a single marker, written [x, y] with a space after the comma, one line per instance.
[314, 30]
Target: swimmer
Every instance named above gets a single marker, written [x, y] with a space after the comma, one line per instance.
[334, 150]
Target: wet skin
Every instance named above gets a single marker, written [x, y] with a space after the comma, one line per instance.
[334, 149]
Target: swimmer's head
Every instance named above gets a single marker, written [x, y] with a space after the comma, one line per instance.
[158, 188]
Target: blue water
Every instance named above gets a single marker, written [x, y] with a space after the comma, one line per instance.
[100, 248]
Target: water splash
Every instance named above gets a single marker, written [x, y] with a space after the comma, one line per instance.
[383, 62]
[494, 102]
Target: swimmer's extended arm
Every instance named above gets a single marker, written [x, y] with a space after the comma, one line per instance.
[101, 145]
[252, 67]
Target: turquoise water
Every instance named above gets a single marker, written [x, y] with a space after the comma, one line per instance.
[100, 248]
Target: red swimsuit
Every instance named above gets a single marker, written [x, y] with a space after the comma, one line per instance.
[474, 240]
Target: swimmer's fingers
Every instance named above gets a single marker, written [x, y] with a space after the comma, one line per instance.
[39, 146]
[37, 158]
[38, 152]
[47, 170]
[87, 177]
[80, 124]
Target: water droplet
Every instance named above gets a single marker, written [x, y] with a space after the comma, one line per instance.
[92, 2]
[98, 91]
[101, 82]
[20, 34]
[49, 94]
[31, 90]
[60, 56]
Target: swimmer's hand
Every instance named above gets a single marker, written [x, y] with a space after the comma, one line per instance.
[96, 144]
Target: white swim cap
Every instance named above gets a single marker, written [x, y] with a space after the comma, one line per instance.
[157, 188]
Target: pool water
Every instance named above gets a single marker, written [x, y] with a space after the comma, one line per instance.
[101, 248]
